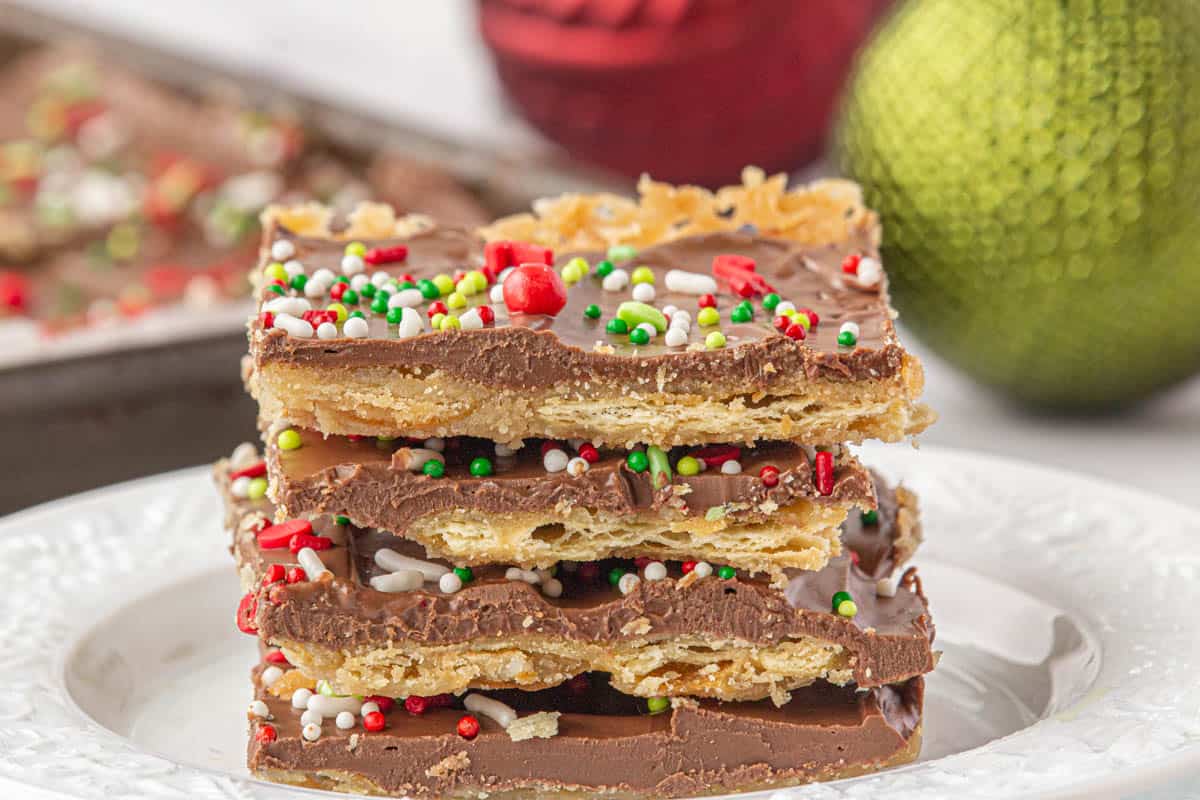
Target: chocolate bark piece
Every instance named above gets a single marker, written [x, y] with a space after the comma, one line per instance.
[565, 376]
[734, 638]
[519, 513]
[606, 744]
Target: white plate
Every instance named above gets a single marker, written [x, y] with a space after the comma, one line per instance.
[1066, 608]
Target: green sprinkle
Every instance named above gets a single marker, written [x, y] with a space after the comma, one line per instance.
[635, 313]
[429, 289]
[435, 321]
[358, 314]
[276, 272]
[257, 489]
[297, 282]
[838, 599]
[847, 608]
[642, 274]
[870, 517]
[715, 340]
[479, 280]
[617, 326]
[660, 467]
[277, 289]
[481, 467]
[637, 461]
[394, 315]
[727, 573]
[356, 249]
[657, 705]
[341, 279]
[433, 468]
[466, 287]
[741, 314]
[687, 466]
[592, 311]
[770, 301]
[368, 290]
[288, 440]
[380, 304]
[407, 285]
[449, 323]
[614, 575]
[639, 336]
[574, 270]
[456, 300]
[350, 297]
[444, 283]
[846, 339]
[338, 309]
[604, 269]
[341, 519]
[464, 574]
[708, 316]
[622, 252]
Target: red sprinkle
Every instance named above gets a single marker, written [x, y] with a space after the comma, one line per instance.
[275, 536]
[549, 445]
[385, 704]
[252, 471]
[468, 727]
[436, 307]
[687, 566]
[315, 317]
[782, 323]
[245, 614]
[717, 454]
[338, 289]
[707, 301]
[274, 574]
[486, 314]
[296, 575]
[641, 561]
[267, 319]
[265, 734]
[824, 469]
[277, 657]
[416, 705]
[729, 264]
[386, 255]
[458, 275]
[850, 264]
[796, 331]
[769, 475]
[14, 290]
[813, 319]
[374, 721]
[854, 558]
[301, 541]
[589, 453]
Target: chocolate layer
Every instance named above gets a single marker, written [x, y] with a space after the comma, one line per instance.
[336, 475]
[607, 742]
[538, 351]
[889, 637]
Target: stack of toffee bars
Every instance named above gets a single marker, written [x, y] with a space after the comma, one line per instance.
[565, 505]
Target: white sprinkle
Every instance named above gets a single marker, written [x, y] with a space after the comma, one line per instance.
[403, 581]
[694, 283]
[628, 582]
[849, 327]
[355, 328]
[270, 675]
[240, 487]
[323, 275]
[680, 317]
[655, 571]
[496, 295]
[643, 293]
[311, 732]
[392, 561]
[294, 268]
[406, 298]
[577, 466]
[669, 311]
[380, 279]
[244, 455]
[287, 305]
[783, 308]
[650, 330]
[352, 264]
[344, 721]
[314, 568]
[450, 583]
[294, 326]
[436, 444]
[410, 324]
[311, 717]
[282, 250]
[677, 336]
[367, 708]
[359, 281]
[731, 467]
[470, 320]
[869, 271]
[531, 577]
[703, 569]
[327, 330]
[552, 588]
[885, 587]
[300, 697]
[315, 288]
[328, 706]
[259, 709]
[615, 281]
[501, 714]
[555, 460]
[512, 574]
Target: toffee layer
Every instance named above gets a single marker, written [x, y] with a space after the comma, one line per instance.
[605, 744]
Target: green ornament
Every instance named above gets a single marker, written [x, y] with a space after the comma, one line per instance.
[727, 573]
[394, 315]
[615, 574]
[616, 325]
[298, 281]
[350, 297]
[637, 461]
[341, 519]
[433, 468]
[1039, 203]
[870, 517]
[464, 574]
[481, 467]
[428, 289]
[639, 337]
[592, 311]
[604, 269]
[657, 705]
[368, 290]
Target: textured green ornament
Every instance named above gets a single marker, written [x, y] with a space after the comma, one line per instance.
[1036, 164]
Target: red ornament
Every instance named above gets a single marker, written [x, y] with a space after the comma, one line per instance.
[458, 275]
[813, 319]
[707, 301]
[315, 318]
[374, 721]
[781, 323]
[385, 704]
[277, 657]
[823, 465]
[296, 575]
[274, 574]
[796, 331]
[386, 255]
[416, 705]
[245, 614]
[275, 536]
[301, 541]
[265, 734]
[468, 727]
[850, 264]
[267, 320]
[687, 566]
[436, 307]
[338, 289]
[486, 314]
[534, 289]
[14, 291]
[769, 475]
[589, 453]
[252, 471]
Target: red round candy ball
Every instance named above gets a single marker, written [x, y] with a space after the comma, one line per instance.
[374, 721]
[468, 727]
[534, 289]
[266, 734]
